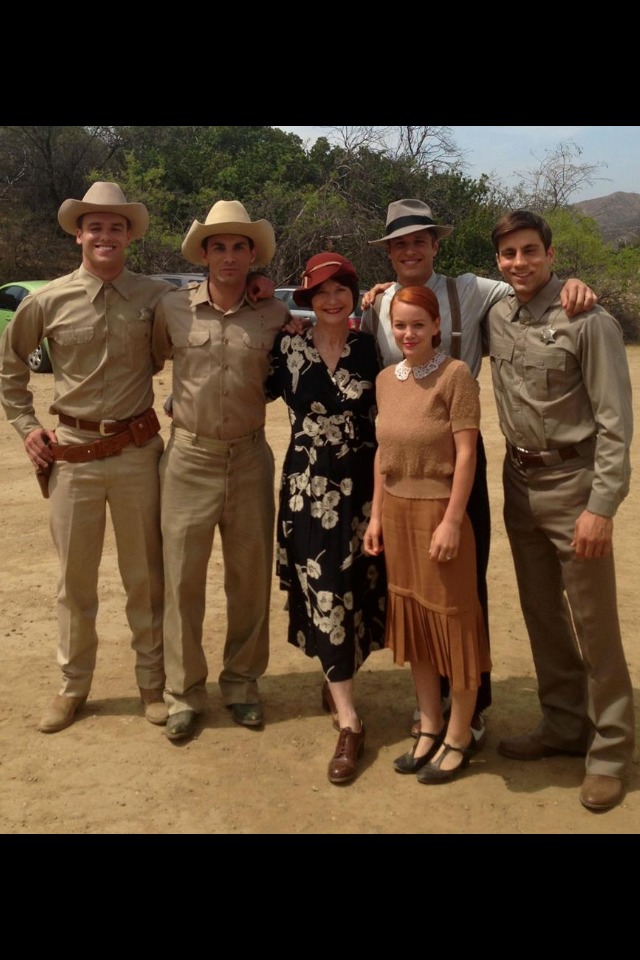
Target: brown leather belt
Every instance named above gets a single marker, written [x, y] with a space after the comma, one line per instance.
[541, 458]
[104, 427]
[138, 430]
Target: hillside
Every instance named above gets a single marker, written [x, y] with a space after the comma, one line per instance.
[617, 215]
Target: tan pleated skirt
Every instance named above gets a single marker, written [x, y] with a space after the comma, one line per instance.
[433, 611]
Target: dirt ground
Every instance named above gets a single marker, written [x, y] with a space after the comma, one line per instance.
[111, 772]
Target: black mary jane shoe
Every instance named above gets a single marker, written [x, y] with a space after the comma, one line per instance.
[433, 772]
[409, 763]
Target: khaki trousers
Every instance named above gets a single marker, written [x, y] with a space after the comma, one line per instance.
[570, 609]
[229, 485]
[79, 494]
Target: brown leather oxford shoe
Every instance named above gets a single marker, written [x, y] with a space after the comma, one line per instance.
[599, 792]
[343, 764]
[528, 746]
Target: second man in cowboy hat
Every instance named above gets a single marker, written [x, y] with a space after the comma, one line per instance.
[218, 470]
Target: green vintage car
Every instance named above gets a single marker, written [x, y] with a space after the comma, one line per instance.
[11, 294]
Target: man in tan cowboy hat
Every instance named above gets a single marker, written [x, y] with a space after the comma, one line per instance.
[412, 240]
[105, 447]
[218, 469]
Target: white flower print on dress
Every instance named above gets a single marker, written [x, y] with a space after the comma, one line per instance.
[329, 466]
[325, 600]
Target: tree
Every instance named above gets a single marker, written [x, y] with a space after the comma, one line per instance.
[431, 149]
[557, 177]
[40, 167]
[613, 274]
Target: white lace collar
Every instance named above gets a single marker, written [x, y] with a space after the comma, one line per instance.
[423, 370]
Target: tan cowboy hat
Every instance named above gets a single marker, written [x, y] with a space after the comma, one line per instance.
[104, 197]
[229, 216]
[409, 216]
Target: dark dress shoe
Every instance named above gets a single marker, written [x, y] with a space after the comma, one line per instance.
[528, 746]
[349, 748]
[599, 792]
[328, 704]
[248, 714]
[433, 772]
[180, 725]
[409, 763]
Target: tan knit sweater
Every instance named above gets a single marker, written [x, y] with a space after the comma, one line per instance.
[415, 426]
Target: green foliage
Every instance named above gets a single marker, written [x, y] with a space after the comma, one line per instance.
[333, 196]
[613, 274]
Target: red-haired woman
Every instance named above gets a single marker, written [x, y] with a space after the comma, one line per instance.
[427, 427]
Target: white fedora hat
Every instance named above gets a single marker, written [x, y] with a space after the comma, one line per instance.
[409, 216]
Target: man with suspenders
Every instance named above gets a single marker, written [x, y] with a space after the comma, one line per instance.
[412, 238]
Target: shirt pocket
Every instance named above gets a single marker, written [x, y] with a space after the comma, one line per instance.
[192, 354]
[256, 347]
[543, 372]
[501, 355]
[138, 343]
[75, 349]
[258, 339]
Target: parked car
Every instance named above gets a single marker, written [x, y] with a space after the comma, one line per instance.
[286, 295]
[11, 295]
[180, 279]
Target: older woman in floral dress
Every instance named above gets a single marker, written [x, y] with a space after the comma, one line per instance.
[336, 594]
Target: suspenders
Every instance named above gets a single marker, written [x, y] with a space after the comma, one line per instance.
[454, 306]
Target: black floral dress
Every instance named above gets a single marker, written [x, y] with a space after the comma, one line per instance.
[337, 594]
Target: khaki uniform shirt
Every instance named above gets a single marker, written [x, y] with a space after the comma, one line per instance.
[220, 360]
[559, 382]
[99, 338]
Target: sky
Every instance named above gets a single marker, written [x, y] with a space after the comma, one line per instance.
[503, 150]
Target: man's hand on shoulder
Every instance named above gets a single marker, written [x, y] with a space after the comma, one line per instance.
[368, 298]
[296, 326]
[593, 537]
[576, 297]
[259, 287]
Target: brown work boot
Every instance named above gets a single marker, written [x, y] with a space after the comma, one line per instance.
[60, 713]
[155, 709]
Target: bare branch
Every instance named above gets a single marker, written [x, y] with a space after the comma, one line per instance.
[557, 177]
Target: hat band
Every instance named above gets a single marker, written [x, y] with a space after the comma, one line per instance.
[410, 222]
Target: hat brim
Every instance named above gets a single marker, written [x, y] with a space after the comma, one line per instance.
[302, 295]
[440, 230]
[136, 213]
[261, 232]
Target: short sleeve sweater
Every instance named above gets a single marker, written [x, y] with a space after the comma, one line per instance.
[415, 426]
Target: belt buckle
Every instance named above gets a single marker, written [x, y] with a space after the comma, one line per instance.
[103, 427]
